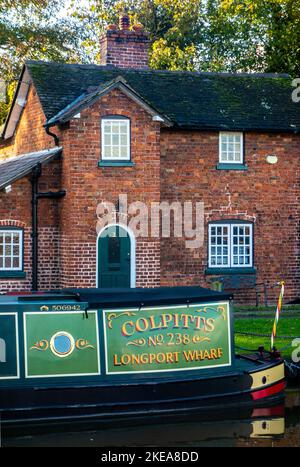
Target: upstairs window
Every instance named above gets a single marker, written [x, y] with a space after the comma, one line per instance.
[11, 250]
[230, 245]
[231, 148]
[115, 133]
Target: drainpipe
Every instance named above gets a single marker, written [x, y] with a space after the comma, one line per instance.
[36, 173]
[56, 139]
[36, 195]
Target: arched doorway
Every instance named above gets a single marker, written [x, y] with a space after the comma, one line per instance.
[115, 257]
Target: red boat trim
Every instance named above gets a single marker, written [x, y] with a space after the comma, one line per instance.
[277, 411]
[270, 391]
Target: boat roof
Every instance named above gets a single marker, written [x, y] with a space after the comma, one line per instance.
[122, 297]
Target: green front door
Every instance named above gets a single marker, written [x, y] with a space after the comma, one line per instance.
[114, 258]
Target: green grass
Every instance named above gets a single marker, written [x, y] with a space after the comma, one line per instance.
[286, 327]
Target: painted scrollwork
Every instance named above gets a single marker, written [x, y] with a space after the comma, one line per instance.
[41, 345]
[138, 342]
[83, 344]
[112, 316]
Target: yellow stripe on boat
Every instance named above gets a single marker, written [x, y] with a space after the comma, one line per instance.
[267, 376]
[268, 427]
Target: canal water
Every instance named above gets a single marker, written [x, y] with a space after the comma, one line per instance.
[278, 425]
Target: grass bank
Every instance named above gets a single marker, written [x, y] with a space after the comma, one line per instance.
[286, 327]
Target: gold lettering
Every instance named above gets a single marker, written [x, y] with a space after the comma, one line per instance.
[116, 362]
[124, 330]
[185, 320]
[210, 326]
[176, 321]
[160, 358]
[166, 319]
[139, 322]
[152, 323]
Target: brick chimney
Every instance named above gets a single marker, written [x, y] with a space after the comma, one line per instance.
[124, 47]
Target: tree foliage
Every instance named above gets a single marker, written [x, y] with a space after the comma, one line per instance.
[217, 35]
[30, 29]
[266, 33]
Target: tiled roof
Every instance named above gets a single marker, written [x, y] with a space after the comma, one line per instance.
[216, 101]
[14, 168]
[92, 94]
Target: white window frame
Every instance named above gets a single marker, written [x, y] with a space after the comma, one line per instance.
[125, 121]
[230, 255]
[4, 232]
[231, 133]
[210, 245]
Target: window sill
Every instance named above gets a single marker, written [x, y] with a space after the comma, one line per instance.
[12, 275]
[115, 164]
[223, 166]
[230, 271]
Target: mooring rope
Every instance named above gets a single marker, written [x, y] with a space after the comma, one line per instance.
[256, 350]
[257, 334]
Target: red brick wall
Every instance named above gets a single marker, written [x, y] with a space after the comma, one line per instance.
[87, 185]
[169, 165]
[124, 49]
[15, 207]
[30, 135]
[265, 194]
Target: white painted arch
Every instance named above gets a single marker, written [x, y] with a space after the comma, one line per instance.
[132, 252]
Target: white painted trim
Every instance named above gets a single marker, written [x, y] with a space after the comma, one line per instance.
[21, 248]
[250, 265]
[17, 347]
[125, 121]
[16, 111]
[230, 226]
[210, 265]
[132, 253]
[232, 133]
[168, 308]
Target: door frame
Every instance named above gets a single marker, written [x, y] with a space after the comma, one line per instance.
[132, 253]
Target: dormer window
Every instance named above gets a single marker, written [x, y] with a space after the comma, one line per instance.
[231, 148]
[115, 133]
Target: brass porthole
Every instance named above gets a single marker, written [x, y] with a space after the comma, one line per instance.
[62, 344]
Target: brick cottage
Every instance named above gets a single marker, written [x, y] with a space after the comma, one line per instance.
[78, 135]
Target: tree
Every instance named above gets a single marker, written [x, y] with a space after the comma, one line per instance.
[210, 35]
[266, 32]
[173, 26]
[31, 29]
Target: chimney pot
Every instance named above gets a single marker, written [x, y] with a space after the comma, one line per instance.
[123, 47]
[124, 22]
[112, 27]
[137, 27]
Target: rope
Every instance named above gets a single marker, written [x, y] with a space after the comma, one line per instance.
[257, 334]
[255, 350]
[244, 348]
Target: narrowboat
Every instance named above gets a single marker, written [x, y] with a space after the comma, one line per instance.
[77, 354]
